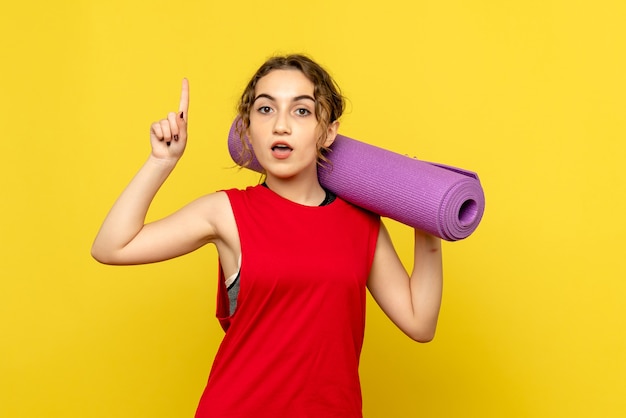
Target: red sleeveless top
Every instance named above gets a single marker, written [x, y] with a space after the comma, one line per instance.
[293, 344]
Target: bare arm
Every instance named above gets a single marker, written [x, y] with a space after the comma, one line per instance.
[124, 238]
[411, 302]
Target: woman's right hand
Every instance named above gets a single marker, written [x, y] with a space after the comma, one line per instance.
[168, 137]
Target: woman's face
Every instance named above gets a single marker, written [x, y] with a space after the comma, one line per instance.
[283, 127]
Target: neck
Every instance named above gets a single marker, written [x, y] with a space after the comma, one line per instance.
[303, 192]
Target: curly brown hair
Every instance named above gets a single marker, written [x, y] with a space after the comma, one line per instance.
[329, 102]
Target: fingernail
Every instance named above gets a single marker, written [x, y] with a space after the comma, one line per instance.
[175, 137]
[181, 115]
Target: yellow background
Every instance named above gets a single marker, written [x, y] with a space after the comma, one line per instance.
[529, 94]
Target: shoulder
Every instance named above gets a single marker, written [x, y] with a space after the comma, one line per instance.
[222, 200]
[234, 193]
[248, 198]
[213, 210]
[212, 202]
[224, 207]
[358, 212]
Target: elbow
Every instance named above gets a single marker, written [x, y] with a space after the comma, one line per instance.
[423, 339]
[95, 254]
[422, 336]
[101, 256]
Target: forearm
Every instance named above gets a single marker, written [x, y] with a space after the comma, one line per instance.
[426, 283]
[127, 216]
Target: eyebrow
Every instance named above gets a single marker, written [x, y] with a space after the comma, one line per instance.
[295, 99]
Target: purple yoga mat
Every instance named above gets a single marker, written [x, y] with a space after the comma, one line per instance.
[444, 201]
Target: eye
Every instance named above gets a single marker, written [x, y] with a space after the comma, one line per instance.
[264, 109]
[303, 112]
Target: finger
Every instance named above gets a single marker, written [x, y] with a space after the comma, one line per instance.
[172, 120]
[167, 133]
[181, 124]
[157, 131]
[183, 108]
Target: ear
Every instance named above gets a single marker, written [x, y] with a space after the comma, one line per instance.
[331, 133]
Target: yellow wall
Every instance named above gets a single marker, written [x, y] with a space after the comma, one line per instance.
[530, 94]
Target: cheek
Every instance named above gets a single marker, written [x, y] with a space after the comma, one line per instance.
[320, 136]
[254, 129]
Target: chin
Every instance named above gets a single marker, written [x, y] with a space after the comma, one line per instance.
[280, 174]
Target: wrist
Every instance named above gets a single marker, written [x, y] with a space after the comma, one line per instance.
[167, 163]
[427, 241]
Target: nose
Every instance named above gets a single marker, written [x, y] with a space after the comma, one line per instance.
[282, 124]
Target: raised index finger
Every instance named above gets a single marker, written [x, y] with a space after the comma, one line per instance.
[184, 99]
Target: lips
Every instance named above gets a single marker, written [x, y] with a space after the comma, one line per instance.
[281, 150]
[280, 145]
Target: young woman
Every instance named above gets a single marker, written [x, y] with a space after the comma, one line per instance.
[295, 260]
